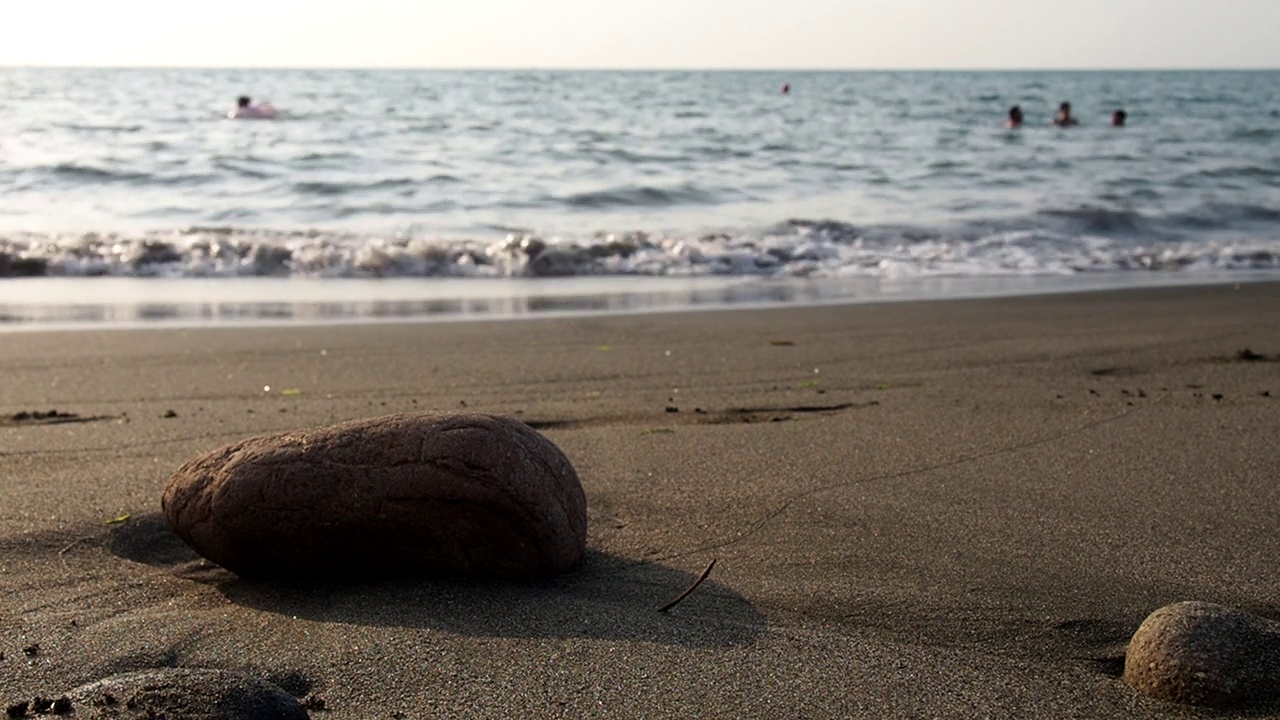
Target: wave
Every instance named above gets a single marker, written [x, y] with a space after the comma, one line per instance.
[1228, 215]
[1249, 173]
[319, 156]
[344, 188]
[795, 248]
[1096, 220]
[241, 170]
[631, 196]
[99, 128]
[91, 173]
[1255, 134]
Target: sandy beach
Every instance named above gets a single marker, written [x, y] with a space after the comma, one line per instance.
[954, 509]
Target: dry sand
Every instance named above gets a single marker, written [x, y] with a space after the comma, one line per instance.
[951, 510]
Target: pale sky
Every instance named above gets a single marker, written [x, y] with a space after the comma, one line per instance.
[780, 34]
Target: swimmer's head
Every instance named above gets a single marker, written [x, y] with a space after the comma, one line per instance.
[1065, 108]
[243, 101]
[1118, 118]
[1015, 115]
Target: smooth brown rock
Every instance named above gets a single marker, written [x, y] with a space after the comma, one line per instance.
[184, 694]
[1199, 653]
[472, 494]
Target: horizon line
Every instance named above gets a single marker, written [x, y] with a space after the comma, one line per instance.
[567, 68]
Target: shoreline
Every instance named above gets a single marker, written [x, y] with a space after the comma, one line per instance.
[954, 509]
[192, 303]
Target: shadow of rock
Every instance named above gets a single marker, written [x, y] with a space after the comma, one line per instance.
[607, 597]
[148, 540]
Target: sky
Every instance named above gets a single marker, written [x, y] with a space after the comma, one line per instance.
[782, 34]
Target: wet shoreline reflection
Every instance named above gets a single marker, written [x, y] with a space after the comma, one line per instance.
[60, 303]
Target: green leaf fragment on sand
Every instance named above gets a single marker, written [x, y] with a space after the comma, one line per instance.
[291, 391]
[809, 384]
[604, 348]
[117, 520]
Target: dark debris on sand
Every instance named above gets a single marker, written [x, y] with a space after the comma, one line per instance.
[37, 416]
[1248, 355]
[40, 706]
[48, 417]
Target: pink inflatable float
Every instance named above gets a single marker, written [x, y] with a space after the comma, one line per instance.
[246, 110]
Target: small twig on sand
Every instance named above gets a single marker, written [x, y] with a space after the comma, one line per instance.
[692, 587]
[62, 553]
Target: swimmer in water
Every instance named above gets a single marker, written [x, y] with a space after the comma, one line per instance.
[1118, 118]
[246, 110]
[1015, 118]
[786, 88]
[1064, 118]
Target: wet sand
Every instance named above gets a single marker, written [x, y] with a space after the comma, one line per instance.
[952, 509]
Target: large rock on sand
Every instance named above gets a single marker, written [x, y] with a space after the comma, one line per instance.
[1199, 653]
[184, 694]
[476, 495]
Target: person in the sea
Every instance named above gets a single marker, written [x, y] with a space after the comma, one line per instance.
[1015, 117]
[246, 110]
[1118, 118]
[1064, 118]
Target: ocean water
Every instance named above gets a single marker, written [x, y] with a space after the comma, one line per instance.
[127, 196]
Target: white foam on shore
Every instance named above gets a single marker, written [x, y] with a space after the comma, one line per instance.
[798, 249]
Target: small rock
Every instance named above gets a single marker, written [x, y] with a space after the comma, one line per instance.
[470, 494]
[62, 705]
[170, 414]
[31, 650]
[41, 705]
[17, 710]
[184, 693]
[1198, 653]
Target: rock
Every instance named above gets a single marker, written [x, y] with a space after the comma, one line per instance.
[1199, 653]
[185, 694]
[468, 494]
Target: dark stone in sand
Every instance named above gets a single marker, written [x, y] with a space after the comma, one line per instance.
[1198, 653]
[186, 694]
[466, 494]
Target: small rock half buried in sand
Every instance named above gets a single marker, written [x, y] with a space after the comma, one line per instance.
[467, 494]
[1199, 653]
[187, 694]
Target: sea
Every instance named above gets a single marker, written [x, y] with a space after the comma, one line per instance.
[127, 197]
